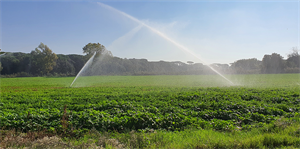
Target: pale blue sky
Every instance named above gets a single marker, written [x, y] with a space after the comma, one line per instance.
[216, 31]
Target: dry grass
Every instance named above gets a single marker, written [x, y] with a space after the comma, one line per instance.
[40, 140]
[105, 142]
[13, 138]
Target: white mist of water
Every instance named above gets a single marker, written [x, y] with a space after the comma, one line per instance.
[163, 36]
[88, 63]
[125, 38]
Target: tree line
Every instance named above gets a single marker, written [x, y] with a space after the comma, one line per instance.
[43, 62]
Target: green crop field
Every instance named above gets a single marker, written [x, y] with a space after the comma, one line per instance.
[258, 111]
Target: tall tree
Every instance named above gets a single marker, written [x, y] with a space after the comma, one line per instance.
[246, 66]
[43, 59]
[90, 48]
[100, 50]
[294, 58]
[272, 63]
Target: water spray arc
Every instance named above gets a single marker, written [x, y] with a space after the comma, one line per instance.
[83, 68]
[125, 37]
[163, 36]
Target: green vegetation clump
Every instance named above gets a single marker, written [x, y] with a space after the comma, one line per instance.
[134, 108]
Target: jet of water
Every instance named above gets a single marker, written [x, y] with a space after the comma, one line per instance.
[125, 38]
[83, 68]
[163, 36]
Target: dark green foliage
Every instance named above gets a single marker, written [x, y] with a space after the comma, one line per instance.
[15, 62]
[246, 66]
[78, 60]
[21, 64]
[1, 67]
[42, 60]
[118, 66]
[272, 64]
[69, 65]
[294, 58]
[133, 108]
[90, 48]
[64, 65]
